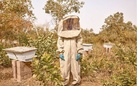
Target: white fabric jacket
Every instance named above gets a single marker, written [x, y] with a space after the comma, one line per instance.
[69, 34]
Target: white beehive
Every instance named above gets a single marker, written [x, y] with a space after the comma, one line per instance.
[21, 53]
[108, 45]
[87, 47]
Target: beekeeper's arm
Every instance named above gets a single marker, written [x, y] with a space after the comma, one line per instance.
[79, 44]
[60, 45]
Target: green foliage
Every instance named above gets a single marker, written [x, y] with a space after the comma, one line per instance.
[126, 54]
[46, 65]
[114, 30]
[44, 43]
[47, 71]
[121, 77]
[13, 16]
[86, 69]
[4, 59]
[23, 39]
[20, 7]
[60, 8]
[117, 31]
[88, 36]
[124, 69]
[117, 68]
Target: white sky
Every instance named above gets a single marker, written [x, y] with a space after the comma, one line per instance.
[93, 13]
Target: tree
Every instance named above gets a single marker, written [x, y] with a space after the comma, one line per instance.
[117, 31]
[88, 36]
[60, 8]
[15, 16]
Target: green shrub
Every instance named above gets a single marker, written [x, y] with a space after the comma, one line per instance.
[45, 65]
[124, 69]
[47, 71]
[4, 59]
[86, 69]
[44, 43]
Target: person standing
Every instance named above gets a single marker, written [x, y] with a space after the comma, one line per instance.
[70, 48]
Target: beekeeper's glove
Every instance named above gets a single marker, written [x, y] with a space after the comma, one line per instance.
[61, 56]
[78, 57]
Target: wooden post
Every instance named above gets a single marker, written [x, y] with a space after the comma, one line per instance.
[21, 70]
[14, 66]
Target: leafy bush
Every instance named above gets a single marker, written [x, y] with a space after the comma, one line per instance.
[47, 71]
[45, 65]
[124, 69]
[23, 39]
[4, 59]
[86, 69]
[44, 43]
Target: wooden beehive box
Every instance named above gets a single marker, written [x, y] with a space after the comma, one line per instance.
[108, 46]
[87, 47]
[21, 53]
[21, 61]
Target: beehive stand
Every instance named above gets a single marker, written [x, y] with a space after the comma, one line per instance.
[21, 61]
[21, 70]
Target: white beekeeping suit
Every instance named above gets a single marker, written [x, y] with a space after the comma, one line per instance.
[70, 45]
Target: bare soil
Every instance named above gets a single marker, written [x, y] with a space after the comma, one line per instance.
[6, 79]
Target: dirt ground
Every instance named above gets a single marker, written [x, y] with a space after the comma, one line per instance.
[6, 79]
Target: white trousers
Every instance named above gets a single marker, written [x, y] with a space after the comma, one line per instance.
[70, 65]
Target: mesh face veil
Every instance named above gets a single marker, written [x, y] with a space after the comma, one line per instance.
[69, 27]
[71, 24]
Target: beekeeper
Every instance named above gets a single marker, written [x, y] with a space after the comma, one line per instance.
[70, 48]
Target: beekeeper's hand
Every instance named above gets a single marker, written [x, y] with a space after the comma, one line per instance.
[61, 56]
[78, 57]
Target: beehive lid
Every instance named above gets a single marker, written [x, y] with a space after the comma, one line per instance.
[20, 49]
[87, 44]
[109, 44]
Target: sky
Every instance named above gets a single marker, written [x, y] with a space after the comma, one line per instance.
[93, 13]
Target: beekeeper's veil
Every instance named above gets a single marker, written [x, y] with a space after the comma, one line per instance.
[69, 27]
